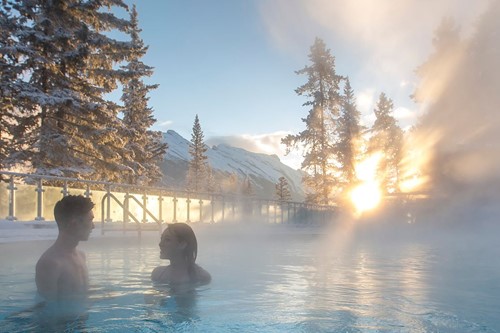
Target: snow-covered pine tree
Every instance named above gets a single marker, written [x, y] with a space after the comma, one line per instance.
[198, 165]
[283, 190]
[319, 137]
[70, 61]
[350, 140]
[144, 146]
[9, 71]
[387, 137]
[17, 119]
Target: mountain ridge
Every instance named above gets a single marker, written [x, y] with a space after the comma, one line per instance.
[262, 170]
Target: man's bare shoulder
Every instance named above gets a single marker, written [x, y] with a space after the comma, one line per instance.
[51, 257]
[81, 254]
[53, 261]
[48, 270]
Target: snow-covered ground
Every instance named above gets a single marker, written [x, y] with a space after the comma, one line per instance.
[26, 231]
[47, 230]
[31, 231]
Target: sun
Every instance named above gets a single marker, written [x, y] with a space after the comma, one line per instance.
[366, 196]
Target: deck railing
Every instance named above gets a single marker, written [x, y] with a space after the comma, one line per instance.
[31, 197]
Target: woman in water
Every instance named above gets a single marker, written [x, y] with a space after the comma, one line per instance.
[178, 244]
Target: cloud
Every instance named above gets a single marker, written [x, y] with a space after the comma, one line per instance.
[260, 143]
[365, 101]
[405, 116]
[392, 36]
[165, 124]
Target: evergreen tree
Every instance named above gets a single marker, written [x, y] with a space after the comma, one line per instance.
[282, 190]
[197, 172]
[350, 140]
[8, 74]
[247, 192]
[145, 146]
[437, 69]
[69, 62]
[17, 118]
[231, 183]
[247, 189]
[319, 137]
[212, 186]
[387, 137]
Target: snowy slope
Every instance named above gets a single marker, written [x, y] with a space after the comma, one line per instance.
[262, 170]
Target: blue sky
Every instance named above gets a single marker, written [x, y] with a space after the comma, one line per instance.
[233, 62]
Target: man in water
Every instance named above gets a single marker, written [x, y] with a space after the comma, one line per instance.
[61, 272]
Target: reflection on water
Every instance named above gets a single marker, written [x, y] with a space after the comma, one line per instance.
[48, 317]
[278, 282]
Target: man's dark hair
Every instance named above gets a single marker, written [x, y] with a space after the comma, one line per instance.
[71, 206]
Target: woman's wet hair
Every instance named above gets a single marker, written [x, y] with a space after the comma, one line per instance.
[184, 233]
[71, 206]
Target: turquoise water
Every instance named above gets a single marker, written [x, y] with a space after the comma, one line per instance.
[275, 279]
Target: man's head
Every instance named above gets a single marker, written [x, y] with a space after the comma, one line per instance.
[74, 215]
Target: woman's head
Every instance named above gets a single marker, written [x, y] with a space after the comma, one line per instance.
[178, 242]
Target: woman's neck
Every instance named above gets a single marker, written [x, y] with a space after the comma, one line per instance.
[179, 264]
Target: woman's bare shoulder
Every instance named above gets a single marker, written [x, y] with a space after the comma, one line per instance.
[204, 277]
[158, 273]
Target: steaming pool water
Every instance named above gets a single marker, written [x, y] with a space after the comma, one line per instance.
[273, 279]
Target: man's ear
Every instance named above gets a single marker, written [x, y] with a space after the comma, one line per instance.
[73, 221]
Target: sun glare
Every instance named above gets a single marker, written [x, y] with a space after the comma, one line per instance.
[367, 195]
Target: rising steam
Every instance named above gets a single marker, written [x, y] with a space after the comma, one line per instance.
[460, 87]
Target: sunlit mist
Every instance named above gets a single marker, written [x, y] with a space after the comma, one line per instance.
[418, 152]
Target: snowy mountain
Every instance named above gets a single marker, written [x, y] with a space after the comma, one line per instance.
[262, 170]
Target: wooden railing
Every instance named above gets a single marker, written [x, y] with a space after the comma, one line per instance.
[124, 207]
